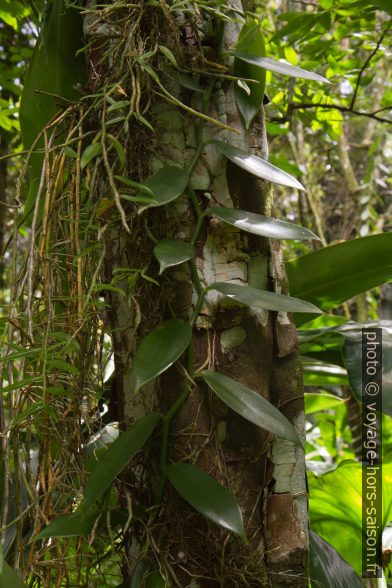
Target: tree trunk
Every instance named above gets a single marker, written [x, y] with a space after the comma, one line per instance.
[257, 348]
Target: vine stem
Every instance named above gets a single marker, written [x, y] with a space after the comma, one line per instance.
[165, 439]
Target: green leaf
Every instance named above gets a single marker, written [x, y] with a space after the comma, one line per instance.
[169, 253]
[332, 275]
[73, 525]
[118, 455]
[159, 350]
[249, 101]
[134, 184]
[49, 72]
[119, 149]
[168, 54]
[9, 578]
[261, 225]
[256, 166]
[263, 299]
[89, 153]
[167, 184]
[280, 67]
[327, 567]
[318, 402]
[207, 496]
[250, 405]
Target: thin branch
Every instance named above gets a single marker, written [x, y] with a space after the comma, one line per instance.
[366, 63]
[348, 109]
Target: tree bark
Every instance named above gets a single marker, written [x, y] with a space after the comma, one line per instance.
[257, 348]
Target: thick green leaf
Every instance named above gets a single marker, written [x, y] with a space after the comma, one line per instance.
[169, 253]
[159, 350]
[74, 525]
[9, 578]
[280, 67]
[49, 73]
[261, 225]
[118, 455]
[257, 166]
[327, 567]
[332, 275]
[263, 299]
[249, 100]
[89, 153]
[167, 184]
[318, 402]
[207, 496]
[250, 405]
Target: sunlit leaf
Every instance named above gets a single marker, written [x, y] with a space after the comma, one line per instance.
[257, 166]
[118, 455]
[261, 225]
[250, 405]
[170, 253]
[159, 350]
[263, 299]
[280, 67]
[207, 496]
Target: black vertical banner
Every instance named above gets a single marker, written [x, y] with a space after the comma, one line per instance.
[371, 453]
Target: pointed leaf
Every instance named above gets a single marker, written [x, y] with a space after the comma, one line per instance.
[89, 153]
[159, 350]
[250, 405]
[207, 496]
[280, 67]
[169, 253]
[250, 99]
[332, 275]
[118, 455]
[263, 299]
[327, 568]
[261, 225]
[167, 184]
[74, 525]
[256, 166]
[119, 149]
[9, 578]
